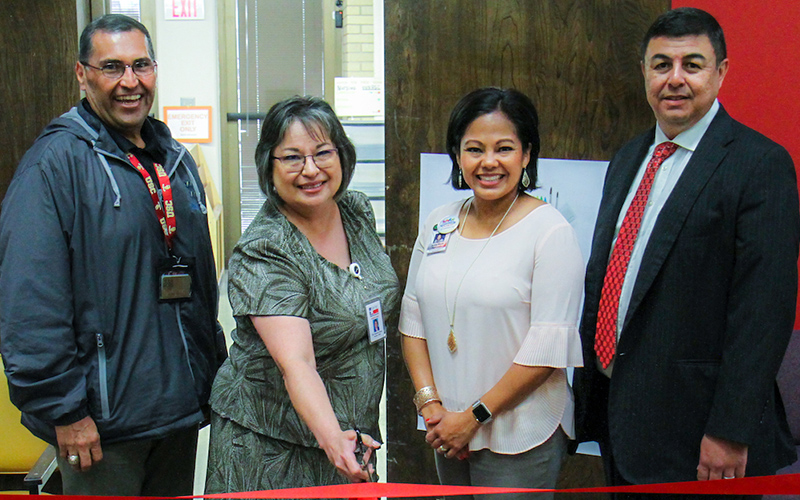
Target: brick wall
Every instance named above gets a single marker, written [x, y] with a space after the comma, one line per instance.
[358, 39]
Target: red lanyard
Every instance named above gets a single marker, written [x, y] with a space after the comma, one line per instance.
[165, 217]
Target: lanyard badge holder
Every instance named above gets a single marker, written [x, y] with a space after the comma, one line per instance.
[174, 273]
[175, 279]
[441, 234]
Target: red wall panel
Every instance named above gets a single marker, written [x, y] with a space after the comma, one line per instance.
[760, 90]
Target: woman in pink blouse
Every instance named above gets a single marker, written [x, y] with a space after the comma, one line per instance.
[489, 315]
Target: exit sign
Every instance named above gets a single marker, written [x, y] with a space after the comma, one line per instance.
[176, 10]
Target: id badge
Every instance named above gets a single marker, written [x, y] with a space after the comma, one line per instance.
[175, 279]
[439, 243]
[375, 326]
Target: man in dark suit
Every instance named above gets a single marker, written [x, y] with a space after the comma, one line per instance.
[692, 280]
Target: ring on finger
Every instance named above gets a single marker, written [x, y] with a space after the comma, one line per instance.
[74, 460]
[728, 477]
[442, 450]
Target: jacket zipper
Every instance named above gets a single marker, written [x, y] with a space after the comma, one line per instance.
[101, 357]
[183, 338]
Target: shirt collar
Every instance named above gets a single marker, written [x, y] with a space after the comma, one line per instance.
[690, 138]
[152, 144]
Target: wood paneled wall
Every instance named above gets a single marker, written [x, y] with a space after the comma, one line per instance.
[39, 40]
[577, 59]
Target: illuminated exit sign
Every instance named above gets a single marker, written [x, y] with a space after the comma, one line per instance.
[176, 10]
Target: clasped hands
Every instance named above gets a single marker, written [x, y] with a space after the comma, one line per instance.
[449, 433]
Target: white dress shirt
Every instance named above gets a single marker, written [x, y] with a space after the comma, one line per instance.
[665, 180]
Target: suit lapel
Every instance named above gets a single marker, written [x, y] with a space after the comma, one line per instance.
[704, 162]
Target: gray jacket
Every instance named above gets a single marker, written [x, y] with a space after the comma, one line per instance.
[81, 329]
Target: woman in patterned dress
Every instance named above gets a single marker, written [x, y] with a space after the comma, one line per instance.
[309, 280]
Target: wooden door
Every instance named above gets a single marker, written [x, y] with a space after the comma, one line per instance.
[39, 41]
[579, 62]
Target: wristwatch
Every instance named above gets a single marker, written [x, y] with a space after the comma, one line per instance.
[481, 412]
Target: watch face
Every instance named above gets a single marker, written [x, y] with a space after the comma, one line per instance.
[482, 414]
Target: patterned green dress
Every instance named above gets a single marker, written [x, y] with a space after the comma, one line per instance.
[258, 441]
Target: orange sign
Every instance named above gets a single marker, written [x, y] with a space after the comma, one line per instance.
[189, 123]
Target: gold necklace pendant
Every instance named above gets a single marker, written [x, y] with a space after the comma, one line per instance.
[451, 342]
[451, 338]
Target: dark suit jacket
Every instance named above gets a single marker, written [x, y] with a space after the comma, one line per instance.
[711, 313]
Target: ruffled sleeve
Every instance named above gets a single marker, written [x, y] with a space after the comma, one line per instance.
[410, 315]
[556, 290]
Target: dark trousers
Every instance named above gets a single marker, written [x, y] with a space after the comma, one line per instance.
[150, 467]
[614, 478]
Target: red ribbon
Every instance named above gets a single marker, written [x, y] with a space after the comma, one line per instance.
[786, 484]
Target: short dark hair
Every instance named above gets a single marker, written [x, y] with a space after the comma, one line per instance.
[686, 21]
[110, 23]
[517, 107]
[315, 115]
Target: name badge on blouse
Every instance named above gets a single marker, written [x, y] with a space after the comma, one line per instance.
[441, 234]
[375, 326]
[439, 243]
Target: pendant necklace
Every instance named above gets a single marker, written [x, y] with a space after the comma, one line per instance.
[451, 338]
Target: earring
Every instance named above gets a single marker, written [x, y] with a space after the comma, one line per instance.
[460, 179]
[526, 181]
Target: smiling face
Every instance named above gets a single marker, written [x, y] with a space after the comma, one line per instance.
[682, 79]
[313, 187]
[492, 157]
[124, 103]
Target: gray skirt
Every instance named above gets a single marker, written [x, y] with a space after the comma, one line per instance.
[242, 460]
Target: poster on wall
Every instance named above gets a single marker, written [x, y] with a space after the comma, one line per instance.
[178, 10]
[574, 187]
[189, 123]
[357, 96]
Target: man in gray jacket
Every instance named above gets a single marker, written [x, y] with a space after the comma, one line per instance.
[108, 294]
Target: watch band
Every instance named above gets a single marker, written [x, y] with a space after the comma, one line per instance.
[481, 412]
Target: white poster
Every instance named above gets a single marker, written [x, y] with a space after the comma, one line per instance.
[574, 187]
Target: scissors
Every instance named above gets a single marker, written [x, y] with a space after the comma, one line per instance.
[360, 451]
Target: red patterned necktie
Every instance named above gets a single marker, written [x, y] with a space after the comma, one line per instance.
[605, 340]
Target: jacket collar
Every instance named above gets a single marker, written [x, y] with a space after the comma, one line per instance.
[157, 136]
[153, 145]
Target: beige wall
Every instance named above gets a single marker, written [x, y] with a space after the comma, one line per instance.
[359, 39]
[188, 67]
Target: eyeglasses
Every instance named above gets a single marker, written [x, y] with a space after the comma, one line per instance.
[115, 69]
[295, 163]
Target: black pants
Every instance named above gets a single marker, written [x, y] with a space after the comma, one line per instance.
[614, 478]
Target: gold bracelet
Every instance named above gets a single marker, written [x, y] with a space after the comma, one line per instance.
[426, 396]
